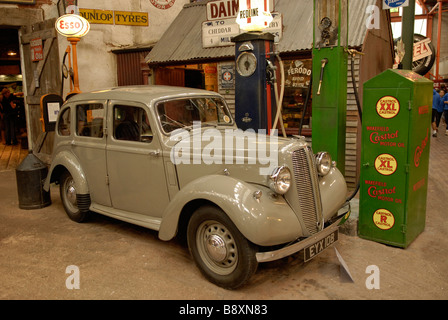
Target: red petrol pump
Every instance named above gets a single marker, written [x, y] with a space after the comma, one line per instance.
[255, 105]
[255, 99]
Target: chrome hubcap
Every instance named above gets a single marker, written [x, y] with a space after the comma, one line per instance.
[70, 195]
[217, 247]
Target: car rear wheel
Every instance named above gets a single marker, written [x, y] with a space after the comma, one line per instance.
[68, 194]
[224, 256]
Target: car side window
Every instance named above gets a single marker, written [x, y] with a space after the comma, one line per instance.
[89, 120]
[131, 124]
[64, 123]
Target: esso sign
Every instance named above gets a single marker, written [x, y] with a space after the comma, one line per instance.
[72, 25]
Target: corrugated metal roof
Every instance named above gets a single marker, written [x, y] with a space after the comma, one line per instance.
[182, 42]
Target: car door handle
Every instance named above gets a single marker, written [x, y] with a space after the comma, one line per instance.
[155, 153]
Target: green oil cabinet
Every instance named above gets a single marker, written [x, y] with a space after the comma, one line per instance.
[397, 106]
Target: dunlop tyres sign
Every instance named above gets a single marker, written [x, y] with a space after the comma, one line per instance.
[127, 18]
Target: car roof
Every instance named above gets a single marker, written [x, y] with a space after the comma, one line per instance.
[144, 94]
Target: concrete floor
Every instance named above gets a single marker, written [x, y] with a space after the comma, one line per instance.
[117, 260]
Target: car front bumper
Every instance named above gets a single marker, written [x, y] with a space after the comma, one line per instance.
[321, 238]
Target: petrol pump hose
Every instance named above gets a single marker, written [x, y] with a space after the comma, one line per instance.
[358, 104]
[305, 106]
[279, 98]
[63, 76]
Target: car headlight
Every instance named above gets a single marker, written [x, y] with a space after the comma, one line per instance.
[323, 163]
[280, 180]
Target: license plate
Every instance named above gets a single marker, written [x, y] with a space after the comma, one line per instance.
[313, 250]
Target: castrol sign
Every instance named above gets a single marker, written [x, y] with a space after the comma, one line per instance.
[72, 25]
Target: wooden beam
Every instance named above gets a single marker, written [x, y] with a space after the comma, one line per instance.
[43, 34]
[24, 16]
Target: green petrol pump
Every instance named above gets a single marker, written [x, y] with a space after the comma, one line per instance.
[397, 106]
[330, 78]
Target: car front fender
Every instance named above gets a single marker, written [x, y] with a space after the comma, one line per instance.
[333, 192]
[266, 221]
[68, 161]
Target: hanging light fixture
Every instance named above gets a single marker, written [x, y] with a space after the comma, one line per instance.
[12, 53]
[254, 15]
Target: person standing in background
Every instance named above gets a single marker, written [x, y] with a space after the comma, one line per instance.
[2, 122]
[9, 117]
[445, 111]
[435, 114]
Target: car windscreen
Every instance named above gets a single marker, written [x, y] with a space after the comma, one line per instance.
[183, 113]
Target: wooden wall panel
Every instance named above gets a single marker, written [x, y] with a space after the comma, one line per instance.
[42, 78]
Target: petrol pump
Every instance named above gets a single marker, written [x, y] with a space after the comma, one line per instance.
[73, 27]
[330, 78]
[255, 102]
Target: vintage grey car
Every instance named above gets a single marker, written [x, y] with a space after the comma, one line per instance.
[172, 159]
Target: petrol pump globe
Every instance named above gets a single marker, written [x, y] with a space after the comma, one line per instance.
[74, 27]
[254, 15]
[330, 23]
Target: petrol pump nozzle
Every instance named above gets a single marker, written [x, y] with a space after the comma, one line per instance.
[324, 63]
[270, 69]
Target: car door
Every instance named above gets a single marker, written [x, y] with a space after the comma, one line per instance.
[137, 183]
[89, 145]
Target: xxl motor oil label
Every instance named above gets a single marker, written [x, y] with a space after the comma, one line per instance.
[388, 107]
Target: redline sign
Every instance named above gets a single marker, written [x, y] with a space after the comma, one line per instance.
[72, 25]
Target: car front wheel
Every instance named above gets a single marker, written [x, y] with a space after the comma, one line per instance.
[68, 194]
[224, 256]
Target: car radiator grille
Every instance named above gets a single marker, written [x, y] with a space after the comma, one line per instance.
[306, 182]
